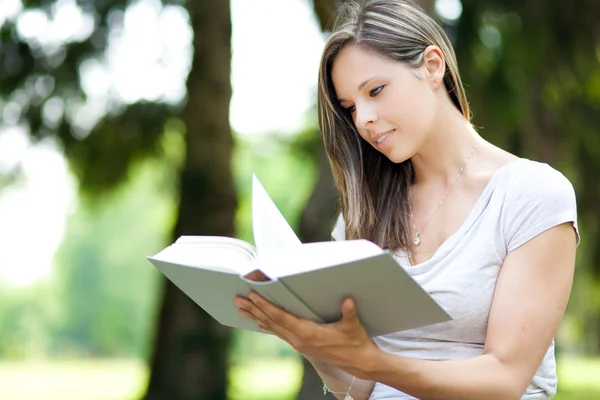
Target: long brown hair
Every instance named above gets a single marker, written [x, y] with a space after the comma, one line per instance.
[373, 190]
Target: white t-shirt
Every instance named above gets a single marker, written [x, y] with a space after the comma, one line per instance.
[522, 199]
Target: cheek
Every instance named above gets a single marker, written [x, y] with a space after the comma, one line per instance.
[413, 111]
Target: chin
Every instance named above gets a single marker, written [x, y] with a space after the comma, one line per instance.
[398, 157]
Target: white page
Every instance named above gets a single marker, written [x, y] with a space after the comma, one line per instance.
[313, 256]
[272, 233]
[212, 253]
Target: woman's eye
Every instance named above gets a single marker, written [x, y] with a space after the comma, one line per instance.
[376, 91]
[351, 109]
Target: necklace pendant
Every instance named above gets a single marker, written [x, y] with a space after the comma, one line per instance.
[348, 397]
[416, 239]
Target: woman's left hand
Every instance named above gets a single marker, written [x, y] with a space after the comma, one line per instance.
[344, 344]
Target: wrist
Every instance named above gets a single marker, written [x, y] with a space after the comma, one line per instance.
[370, 363]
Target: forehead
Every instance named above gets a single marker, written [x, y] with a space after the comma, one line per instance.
[353, 65]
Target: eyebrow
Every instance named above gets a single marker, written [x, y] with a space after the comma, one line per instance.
[360, 87]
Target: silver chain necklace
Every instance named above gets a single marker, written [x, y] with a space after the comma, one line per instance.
[416, 237]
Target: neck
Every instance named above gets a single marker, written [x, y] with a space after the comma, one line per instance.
[446, 150]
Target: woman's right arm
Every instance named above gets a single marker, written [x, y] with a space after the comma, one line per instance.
[339, 381]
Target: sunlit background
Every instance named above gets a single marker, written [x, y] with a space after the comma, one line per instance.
[273, 79]
[67, 260]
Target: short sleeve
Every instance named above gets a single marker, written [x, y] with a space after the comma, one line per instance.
[339, 230]
[538, 198]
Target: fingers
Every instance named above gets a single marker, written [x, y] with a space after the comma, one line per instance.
[349, 321]
[248, 315]
[349, 312]
[267, 315]
[274, 314]
[322, 341]
[299, 332]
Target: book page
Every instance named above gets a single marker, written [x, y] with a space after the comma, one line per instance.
[221, 254]
[314, 256]
[271, 231]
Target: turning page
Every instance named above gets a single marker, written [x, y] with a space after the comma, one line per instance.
[272, 233]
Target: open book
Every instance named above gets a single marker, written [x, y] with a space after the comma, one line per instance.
[308, 280]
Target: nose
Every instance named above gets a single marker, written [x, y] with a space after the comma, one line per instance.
[365, 115]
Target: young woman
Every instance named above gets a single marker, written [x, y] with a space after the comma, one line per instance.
[490, 236]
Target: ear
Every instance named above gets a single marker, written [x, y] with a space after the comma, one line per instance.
[435, 65]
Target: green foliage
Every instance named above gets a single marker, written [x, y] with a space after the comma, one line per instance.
[27, 317]
[108, 290]
[36, 77]
[116, 144]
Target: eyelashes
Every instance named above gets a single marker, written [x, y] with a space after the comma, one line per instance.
[376, 91]
[372, 93]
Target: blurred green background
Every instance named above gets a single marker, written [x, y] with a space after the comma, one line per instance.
[124, 124]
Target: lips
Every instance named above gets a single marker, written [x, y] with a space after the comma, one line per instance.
[380, 137]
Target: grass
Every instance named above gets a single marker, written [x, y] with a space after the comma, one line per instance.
[72, 380]
[277, 379]
[579, 378]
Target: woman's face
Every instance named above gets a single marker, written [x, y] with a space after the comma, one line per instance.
[393, 106]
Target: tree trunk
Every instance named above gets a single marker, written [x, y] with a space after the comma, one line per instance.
[190, 351]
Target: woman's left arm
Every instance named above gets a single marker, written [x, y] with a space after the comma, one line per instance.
[529, 301]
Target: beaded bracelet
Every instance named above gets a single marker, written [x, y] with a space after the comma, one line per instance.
[347, 394]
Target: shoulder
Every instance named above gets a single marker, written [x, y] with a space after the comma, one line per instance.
[533, 176]
[537, 184]
[536, 198]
